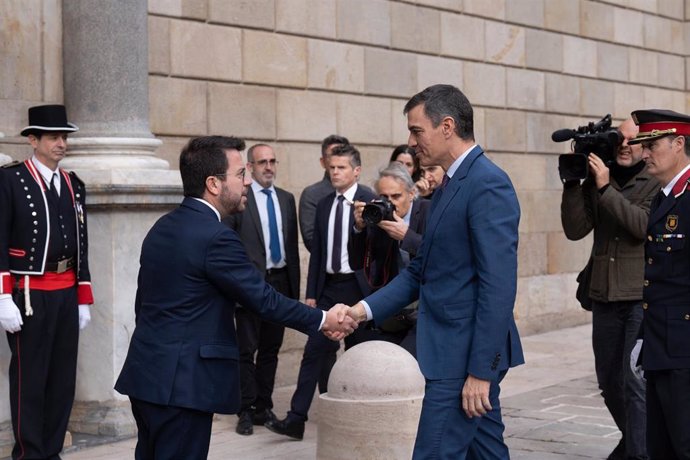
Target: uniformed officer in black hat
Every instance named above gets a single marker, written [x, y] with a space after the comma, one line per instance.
[45, 287]
[665, 357]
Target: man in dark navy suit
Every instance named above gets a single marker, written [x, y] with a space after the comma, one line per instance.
[182, 364]
[465, 277]
[268, 229]
[665, 139]
[330, 280]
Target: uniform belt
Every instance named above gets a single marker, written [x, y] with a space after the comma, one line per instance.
[60, 266]
[337, 277]
[275, 271]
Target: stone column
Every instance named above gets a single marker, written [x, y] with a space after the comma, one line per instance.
[4, 158]
[105, 61]
[105, 47]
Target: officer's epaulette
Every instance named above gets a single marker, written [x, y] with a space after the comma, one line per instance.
[11, 164]
[74, 176]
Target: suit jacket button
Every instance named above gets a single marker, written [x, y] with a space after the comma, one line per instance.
[645, 305]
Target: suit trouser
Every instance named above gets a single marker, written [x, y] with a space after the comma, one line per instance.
[319, 352]
[171, 433]
[445, 432]
[43, 371]
[615, 328]
[256, 336]
[668, 414]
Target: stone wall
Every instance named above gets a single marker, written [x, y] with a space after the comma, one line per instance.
[290, 72]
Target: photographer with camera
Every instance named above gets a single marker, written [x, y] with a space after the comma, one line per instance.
[388, 233]
[613, 201]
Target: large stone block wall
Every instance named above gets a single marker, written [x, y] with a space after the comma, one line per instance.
[289, 72]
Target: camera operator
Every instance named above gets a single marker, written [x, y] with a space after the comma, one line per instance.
[614, 201]
[386, 240]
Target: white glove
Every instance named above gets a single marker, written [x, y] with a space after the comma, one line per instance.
[10, 316]
[84, 316]
[634, 358]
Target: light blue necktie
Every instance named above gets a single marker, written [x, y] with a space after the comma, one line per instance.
[274, 243]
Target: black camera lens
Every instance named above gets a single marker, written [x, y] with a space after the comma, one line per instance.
[372, 213]
[378, 210]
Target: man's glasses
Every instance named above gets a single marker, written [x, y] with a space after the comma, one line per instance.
[240, 174]
[265, 162]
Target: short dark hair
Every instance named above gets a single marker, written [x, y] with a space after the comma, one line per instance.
[442, 101]
[348, 150]
[203, 157]
[404, 148]
[330, 140]
[250, 151]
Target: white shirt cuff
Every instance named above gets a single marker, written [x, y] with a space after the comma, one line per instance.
[367, 309]
[323, 320]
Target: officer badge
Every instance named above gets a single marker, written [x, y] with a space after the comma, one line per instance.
[671, 222]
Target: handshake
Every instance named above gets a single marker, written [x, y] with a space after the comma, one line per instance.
[342, 320]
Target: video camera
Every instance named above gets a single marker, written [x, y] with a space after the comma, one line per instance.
[377, 210]
[598, 138]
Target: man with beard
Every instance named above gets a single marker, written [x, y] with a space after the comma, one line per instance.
[182, 364]
[614, 203]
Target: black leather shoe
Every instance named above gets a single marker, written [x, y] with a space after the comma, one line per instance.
[293, 429]
[264, 416]
[244, 424]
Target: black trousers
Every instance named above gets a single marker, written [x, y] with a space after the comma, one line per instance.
[668, 414]
[615, 327]
[259, 342]
[171, 433]
[320, 352]
[43, 371]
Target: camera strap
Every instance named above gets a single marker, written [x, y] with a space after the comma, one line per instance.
[367, 263]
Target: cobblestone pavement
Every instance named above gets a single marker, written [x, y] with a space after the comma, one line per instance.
[551, 407]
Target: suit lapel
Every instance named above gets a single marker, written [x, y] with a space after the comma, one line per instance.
[255, 219]
[663, 209]
[451, 189]
[283, 205]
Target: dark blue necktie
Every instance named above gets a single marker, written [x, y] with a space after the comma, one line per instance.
[274, 243]
[337, 235]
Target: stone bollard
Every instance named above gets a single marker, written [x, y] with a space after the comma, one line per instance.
[372, 407]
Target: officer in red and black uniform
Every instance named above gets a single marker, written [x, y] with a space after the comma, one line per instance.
[45, 288]
[665, 139]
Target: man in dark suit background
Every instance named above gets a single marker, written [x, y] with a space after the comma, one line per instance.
[182, 363]
[385, 248]
[330, 280]
[268, 229]
[465, 277]
[312, 194]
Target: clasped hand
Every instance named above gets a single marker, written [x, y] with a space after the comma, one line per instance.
[338, 324]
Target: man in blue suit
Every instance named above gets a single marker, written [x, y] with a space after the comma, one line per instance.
[183, 359]
[465, 277]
